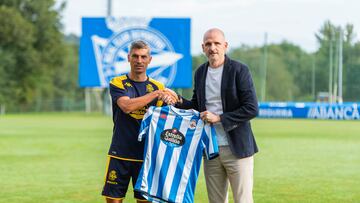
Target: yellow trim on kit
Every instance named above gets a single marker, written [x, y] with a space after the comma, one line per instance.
[158, 84]
[125, 159]
[107, 168]
[141, 200]
[159, 103]
[121, 198]
[136, 116]
[118, 81]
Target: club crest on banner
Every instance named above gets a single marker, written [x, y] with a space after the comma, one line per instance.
[110, 51]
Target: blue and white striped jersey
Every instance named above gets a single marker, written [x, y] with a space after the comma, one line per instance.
[175, 140]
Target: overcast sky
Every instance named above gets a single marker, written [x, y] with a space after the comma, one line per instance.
[243, 21]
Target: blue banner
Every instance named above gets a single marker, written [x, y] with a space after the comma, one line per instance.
[105, 42]
[344, 111]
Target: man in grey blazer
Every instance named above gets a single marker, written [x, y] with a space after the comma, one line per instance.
[224, 94]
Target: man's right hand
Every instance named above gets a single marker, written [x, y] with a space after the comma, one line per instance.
[169, 96]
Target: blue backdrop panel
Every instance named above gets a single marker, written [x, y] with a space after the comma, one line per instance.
[345, 111]
[105, 42]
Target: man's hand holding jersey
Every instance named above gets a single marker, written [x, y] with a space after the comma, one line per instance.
[209, 117]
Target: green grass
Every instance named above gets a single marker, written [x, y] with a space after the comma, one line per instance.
[61, 158]
[307, 161]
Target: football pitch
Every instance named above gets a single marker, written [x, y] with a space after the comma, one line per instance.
[60, 157]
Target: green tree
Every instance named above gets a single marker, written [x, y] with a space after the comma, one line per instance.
[328, 36]
[298, 64]
[18, 56]
[286, 70]
[38, 65]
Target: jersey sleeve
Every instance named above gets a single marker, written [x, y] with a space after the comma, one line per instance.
[117, 89]
[209, 141]
[145, 123]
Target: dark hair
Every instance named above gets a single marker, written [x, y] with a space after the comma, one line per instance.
[139, 44]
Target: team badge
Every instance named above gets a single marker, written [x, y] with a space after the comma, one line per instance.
[172, 137]
[192, 124]
[112, 175]
[149, 88]
[127, 84]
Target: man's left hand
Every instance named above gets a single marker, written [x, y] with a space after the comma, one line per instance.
[209, 117]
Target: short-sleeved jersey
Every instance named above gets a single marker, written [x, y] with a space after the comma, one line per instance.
[175, 142]
[124, 143]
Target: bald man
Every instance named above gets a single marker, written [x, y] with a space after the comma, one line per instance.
[224, 94]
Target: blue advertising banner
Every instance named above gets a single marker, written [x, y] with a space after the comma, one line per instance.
[344, 111]
[105, 42]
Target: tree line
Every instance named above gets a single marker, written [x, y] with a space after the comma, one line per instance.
[39, 64]
[292, 74]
